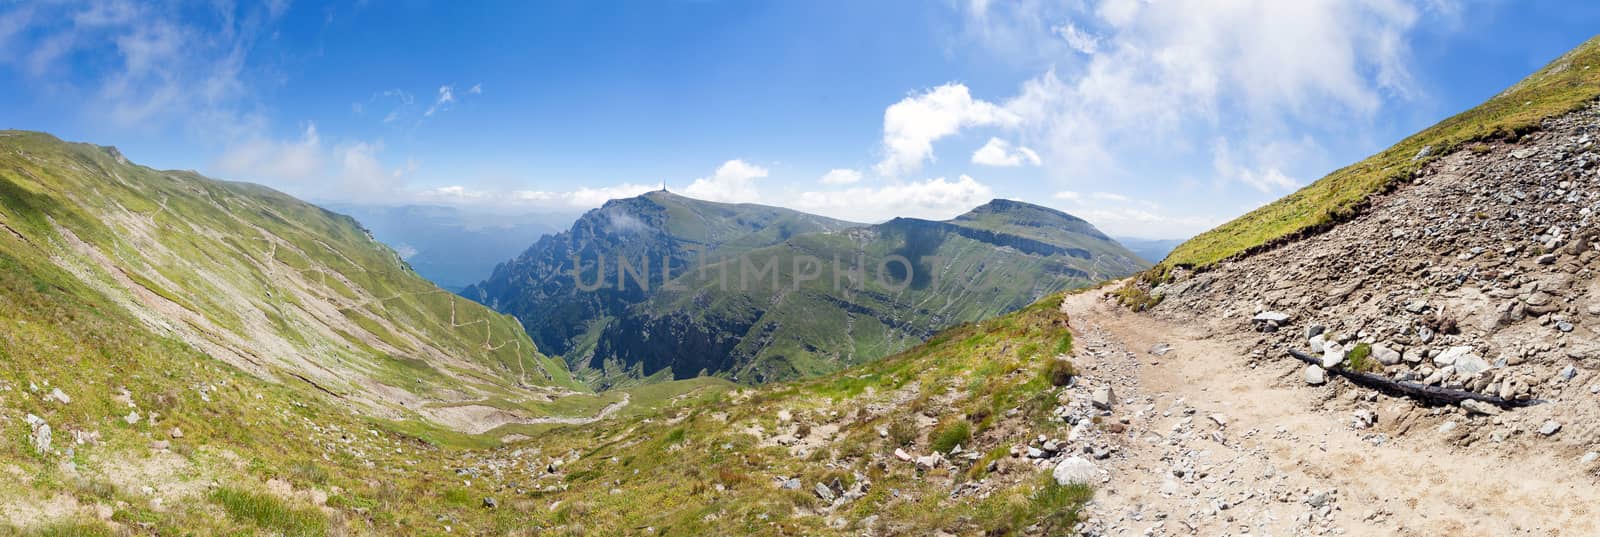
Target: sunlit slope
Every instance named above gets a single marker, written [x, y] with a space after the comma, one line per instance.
[272, 285]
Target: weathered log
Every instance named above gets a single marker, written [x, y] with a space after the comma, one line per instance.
[1431, 395]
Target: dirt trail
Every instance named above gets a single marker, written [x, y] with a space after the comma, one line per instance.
[1283, 458]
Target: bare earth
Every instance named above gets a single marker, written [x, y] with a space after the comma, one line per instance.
[1288, 460]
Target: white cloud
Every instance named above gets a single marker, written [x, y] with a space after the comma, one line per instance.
[733, 182]
[260, 158]
[840, 176]
[912, 125]
[934, 198]
[477, 89]
[999, 152]
[1125, 216]
[1079, 40]
[447, 96]
[581, 198]
[1266, 175]
[153, 67]
[1125, 82]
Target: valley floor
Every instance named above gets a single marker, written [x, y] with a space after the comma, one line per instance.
[1221, 443]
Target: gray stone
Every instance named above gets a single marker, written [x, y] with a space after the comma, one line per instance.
[1417, 306]
[1103, 397]
[58, 396]
[490, 503]
[1332, 355]
[822, 491]
[1568, 373]
[40, 437]
[1315, 375]
[1447, 426]
[1074, 471]
[1474, 406]
[1318, 344]
[1272, 317]
[1546, 259]
[1314, 331]
[1550, 427]
[1589, 457]
[1385, 355]
[1462, 357]
[790, 484]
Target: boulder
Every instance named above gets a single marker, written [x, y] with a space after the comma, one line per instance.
[1385, 355]
[1332, 355]
[1316, 375]
[1074, 471]
[822, 491]
[1474, 406]
[1103, 397]
[1318, 344]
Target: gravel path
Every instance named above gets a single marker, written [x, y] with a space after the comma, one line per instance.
[1220, 444]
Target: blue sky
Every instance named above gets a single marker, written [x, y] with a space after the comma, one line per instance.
[1149, 118]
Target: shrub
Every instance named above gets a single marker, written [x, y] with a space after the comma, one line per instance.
[950, 435]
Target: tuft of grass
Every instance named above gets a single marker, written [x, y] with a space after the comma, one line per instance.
[1059, 372]
[270, 513]
[949, 435]
[1565, 85]
[1360, 359]
[903, 432]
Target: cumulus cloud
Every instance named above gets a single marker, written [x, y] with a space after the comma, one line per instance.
[1122, 80]
[933, 198]
[912, 125]
[999, 152]
[840, 177]
[734, 182]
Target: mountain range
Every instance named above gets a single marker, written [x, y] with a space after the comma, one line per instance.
[755, 293]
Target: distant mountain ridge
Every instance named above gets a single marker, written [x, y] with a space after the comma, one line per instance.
[902, 280]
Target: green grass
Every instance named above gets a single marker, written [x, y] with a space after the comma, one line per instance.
[270, 513]
[1565, 85]
[1360, 359]
[950, 435]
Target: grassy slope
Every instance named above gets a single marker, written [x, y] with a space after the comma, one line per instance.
[1563, 86]
[273, 282]
[695, 469]
[260, 457]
